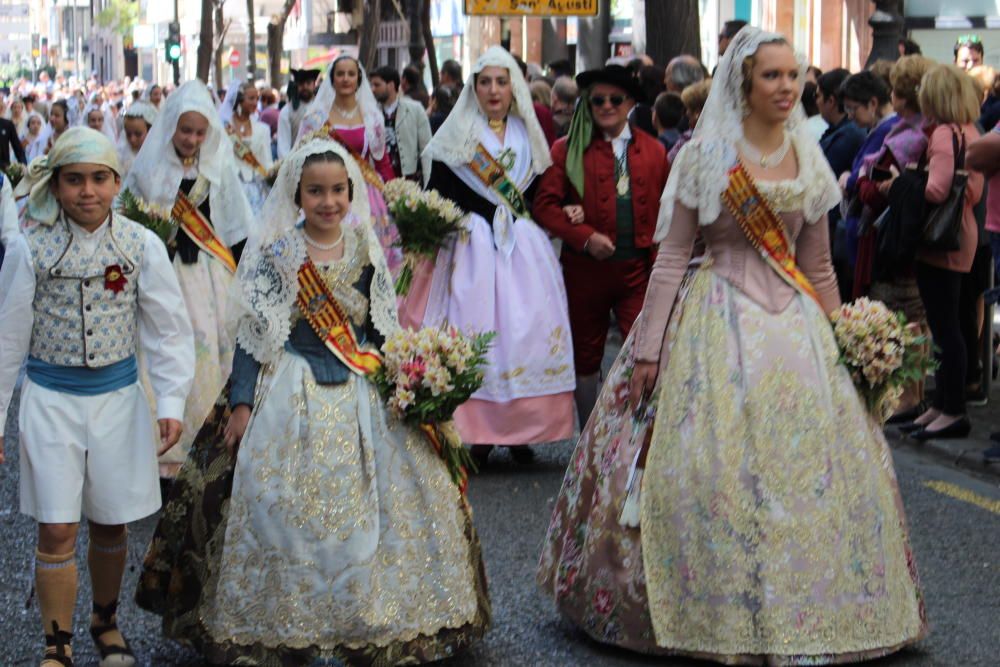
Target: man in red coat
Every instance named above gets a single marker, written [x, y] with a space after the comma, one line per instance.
[601, 196]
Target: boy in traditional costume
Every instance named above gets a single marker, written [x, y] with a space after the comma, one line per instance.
[84, 289]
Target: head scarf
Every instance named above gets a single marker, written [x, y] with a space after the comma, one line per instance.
[76, 145]
[142, 109]
[266, 284]
[229, 101]
[108, 126]
[157, 171]
[700, 172]
[319, 109]
[456, 141]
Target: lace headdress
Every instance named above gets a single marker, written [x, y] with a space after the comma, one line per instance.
[266, 284]
[700, 173]
[456, 141]
[157, 171]
[319, 109]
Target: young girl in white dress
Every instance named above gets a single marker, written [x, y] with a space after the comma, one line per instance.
[332, 530]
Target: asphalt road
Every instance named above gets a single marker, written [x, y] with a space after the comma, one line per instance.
[956, 543]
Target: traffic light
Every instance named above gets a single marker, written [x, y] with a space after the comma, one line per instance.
[173, 44]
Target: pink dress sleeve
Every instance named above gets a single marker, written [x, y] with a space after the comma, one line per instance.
[665, 279]
[812, 250]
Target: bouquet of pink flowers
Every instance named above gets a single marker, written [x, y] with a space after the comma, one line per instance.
[425, 376]
[883, 353]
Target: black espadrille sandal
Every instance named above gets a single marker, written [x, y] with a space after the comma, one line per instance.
[111, 655]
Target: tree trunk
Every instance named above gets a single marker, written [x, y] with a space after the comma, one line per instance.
[251, 43]
[432, 61]
[206, 41]
[416, 45]
[275, 42]
[676, 27]
[220, 31]
[370, 24]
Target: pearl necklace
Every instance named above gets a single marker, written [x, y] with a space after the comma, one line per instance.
[323, 246]
[346, 113]
[766, 160]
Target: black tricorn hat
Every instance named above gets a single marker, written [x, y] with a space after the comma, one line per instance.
[303, 75]
[614, 75]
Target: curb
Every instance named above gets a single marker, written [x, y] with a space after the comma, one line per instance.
[966, 453]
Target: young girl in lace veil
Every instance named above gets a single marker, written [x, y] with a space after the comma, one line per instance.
[767, 526]
[314, 525]
[187, 161]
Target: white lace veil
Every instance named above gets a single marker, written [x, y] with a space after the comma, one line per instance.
[457, 139]
[371, 112]
[700, 173]
[226, 105]
[263, 294]
[157, 171]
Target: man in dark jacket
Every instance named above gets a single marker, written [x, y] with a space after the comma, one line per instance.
[601, 196]
[9, 142]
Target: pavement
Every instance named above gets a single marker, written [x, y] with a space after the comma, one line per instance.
[967, 452]
[951, 500]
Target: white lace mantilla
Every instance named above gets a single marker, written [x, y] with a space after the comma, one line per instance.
[700, 173]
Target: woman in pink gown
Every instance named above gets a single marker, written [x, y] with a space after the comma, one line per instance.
[505, 276]
[345, 110]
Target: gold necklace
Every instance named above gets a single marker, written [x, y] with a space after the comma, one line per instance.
[189, 161]
[497, 125]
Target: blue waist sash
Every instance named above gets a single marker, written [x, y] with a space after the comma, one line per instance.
[83, 381]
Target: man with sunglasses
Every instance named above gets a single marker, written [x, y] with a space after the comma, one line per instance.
[601, 196]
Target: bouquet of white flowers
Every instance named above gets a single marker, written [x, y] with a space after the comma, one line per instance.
[882, 352]
[425, 376]
[424, 219]
[158, 220]
[14, 173]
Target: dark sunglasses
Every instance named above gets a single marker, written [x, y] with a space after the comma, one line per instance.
[599, 100]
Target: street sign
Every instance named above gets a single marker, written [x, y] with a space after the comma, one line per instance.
[234, 58]
[532, 7]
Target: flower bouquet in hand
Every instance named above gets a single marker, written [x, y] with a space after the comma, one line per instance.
[155, 219]
[425, 376]
[14, 172]
[883, 353]
[424, 219]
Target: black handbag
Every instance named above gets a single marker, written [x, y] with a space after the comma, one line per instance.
[943, 225]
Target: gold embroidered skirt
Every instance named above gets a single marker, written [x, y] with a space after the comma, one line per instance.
[771, 523]
[342, 536]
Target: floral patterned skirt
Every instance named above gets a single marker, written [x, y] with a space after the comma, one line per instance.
[188, 571]
[771, 526]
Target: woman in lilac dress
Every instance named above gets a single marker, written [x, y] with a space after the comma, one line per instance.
[767, 527]
[504, 276]
[346, 111]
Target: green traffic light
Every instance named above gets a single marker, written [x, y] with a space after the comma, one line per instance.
[174, 52]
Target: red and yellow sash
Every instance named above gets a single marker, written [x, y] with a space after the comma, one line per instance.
[764, 228]
[194, 223]
[327, 318]
[367, 170]
[245, 154]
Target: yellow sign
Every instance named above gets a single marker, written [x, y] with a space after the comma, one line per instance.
[531, 7]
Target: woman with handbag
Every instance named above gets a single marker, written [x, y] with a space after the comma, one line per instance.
[950, 104]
